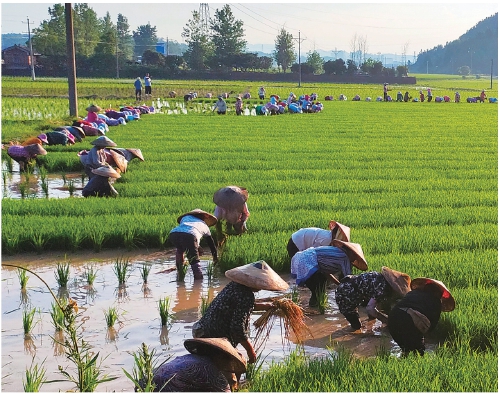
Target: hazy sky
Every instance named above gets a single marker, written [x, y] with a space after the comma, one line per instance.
[388, 27]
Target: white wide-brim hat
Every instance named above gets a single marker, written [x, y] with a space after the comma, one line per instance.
[258, 275]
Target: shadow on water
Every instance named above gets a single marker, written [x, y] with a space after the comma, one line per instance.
[139, 319]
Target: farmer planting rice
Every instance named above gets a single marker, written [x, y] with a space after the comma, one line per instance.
[238, 106]
[313, 237]
[205, 368]
[100, 184]
[92, 111]
[231, 206]
[193, 226]
[371, 288]
[313, 267]
[40, 140]
[220, 106]
[418, 313]
[58, 138]
[229, 313]
[96, 157]
[24, 154]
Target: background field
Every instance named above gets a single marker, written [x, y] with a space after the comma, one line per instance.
[416, 182]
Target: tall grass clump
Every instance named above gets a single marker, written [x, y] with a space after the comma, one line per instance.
[23, 278]
[166, 316]
[62, 274]
[121, 268]
[145, 363]
[34, 377]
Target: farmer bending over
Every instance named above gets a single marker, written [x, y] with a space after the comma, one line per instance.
[99, 185]
[231, 206]
[96, 157]
[24, 154]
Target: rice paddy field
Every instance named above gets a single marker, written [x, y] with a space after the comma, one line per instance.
[417, 183]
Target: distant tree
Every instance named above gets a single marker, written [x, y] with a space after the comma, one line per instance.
[402, 71]
[49, 38]
[200, 48]
[87, 29]
[304, 67]
[174, 62]
[152, 58]
[108, 39]
[284, 52]
[372, 67]
[145, 38]
[245, 61]
[315, 61]
[125, 39]
[464, 70]
[227, 37]
[336, 67]
[265, 62]
[351, 67]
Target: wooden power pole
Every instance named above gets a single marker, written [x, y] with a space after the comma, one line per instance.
[70, 55]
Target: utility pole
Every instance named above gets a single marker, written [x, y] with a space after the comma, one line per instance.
[300, 67]
[491, 75]
[32, 58]
[117, 67]
[70, 55]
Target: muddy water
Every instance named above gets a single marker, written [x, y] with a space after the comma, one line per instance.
[138, 316]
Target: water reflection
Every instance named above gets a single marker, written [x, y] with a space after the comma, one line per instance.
[24, 298]
[111, 335]
[188, 301]
[164, 335]
[29, 345]
[122, 293]
[58, 343]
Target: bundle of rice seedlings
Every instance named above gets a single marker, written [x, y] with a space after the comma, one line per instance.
[291, 319]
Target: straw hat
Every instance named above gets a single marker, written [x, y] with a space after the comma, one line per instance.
[106, 171]
[447, 300]
[233, 361]
[119, 160]
[93, 108]
[78, 129]
[258, 275]
[36, 149]
[103, 141]
[399, 281]
[231, 197]
[354, 252]
[345, 231]
[43, 138]
[137, 153]
[208, 218]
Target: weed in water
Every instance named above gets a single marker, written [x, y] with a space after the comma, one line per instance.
[23, 278]
[322, 297]
[90, 275]
[62, 274]
[34, 377]
[29, 320]
[145, 269]
[121, 269]
[57, 314]
[111, 316]
[166, 316]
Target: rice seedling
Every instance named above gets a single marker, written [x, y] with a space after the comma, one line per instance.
[45, 188]
[90, 275]
[111, 316]
[38, 241]
[97, 237]
[27, 175]
[82, 178]
[29, 320]
[42, 173]
[145, 269]
[9, 165]
[23, 278]
[294, 294]
[255, 368]
[205, 303]
[76, 238]
[121, 268]
[166, 317]
[34, 377]
[23, 189]
[4, 178]
[57, 314]
[145, 363]
[210, 271]
[71, 188]
[322, 297]
[62, 274]
[64, 179]
[130, 240]
[11, 242]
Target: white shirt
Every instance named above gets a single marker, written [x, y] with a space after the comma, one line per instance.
[192, 225]
[311, 237]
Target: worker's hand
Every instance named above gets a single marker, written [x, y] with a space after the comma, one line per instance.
[421, 321]
[252, 357]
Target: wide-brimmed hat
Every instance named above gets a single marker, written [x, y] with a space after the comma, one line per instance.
[447, 300]
[137, 153]
[103, 141]
[43, 138]
[258, 275]
[119, 160]
[231, 197]
[355, 253]
[36, 149]
[78, 129]
[233, 362]
[106, 171]
[399, 281]
[93, 108]
[208, 218]
[345, 232]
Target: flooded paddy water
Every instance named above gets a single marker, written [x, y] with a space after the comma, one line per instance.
[139, 319]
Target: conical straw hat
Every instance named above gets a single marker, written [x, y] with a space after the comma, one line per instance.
[137, 153]
[103, 141]
[93, 108]
[447, 300]
[230, 197]
[119, 160]
[106, 171]
[399, 281]
[208, 218]
[234, 362]
[355, 253]
[344, 230]
[258, 275]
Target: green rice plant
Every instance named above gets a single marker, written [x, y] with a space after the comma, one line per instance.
[4, 178]
[130, 239]
[23, 189]
[111, 316]
[62, 274]
[294, 294]
[10, 242]
[181, 272]
[71, 188]
[45, 188]
[90, 275]
[64, 179]
[57, 314]
[97, 237]
[210, 271]
[42, 173]
[34, 377]
[162, 238]
[23, 278]
[166, 316]
[76, 238]
[29, 320]
[27, 175]
[9, 165]
[145, 269]
[145, 364]
[121, 268]
[322, 297]
[82, 178]
[255, 368]
[38, 241]
[205, 303]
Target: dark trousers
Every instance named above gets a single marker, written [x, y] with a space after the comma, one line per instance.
[404, 332]
[291, 248]
[186, 243]
[315, 283]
